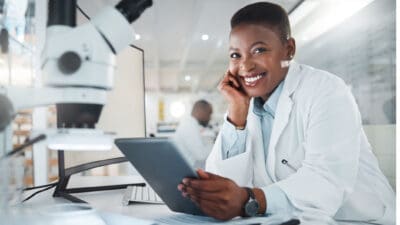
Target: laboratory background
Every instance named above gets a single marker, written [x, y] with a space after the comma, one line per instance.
[178, 56]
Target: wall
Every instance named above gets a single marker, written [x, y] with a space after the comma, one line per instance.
[362, 51]
[382, 139]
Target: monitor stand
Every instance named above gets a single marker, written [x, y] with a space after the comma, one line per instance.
[65, 174]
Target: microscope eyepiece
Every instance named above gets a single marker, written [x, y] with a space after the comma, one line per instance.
[132, 9]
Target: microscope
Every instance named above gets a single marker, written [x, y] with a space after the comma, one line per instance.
[77, 65]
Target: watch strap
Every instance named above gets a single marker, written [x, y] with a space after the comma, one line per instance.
[251, 207]
[250, 193]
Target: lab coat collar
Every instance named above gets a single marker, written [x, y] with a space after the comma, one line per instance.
[292, 78]
[289, 84]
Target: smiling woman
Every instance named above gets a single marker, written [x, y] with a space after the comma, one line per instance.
[292, 141]
[256, 54]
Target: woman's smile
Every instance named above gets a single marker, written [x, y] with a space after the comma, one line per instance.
[252, 79]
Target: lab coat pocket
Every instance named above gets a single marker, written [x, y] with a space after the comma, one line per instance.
[361, 206]
[292, 162]
[287, 166]
[292, 165]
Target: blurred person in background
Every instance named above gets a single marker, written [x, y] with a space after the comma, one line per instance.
[193, 134]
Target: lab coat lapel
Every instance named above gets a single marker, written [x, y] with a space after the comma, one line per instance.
[280, 122]
[284, 108]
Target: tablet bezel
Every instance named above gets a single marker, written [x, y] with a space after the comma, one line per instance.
[163, 166]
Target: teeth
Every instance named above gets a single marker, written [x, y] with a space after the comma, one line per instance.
[252, 79]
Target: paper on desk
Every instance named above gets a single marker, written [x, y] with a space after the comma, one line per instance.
[117, 219]
[184, 219]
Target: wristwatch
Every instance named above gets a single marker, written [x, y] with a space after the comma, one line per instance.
[252, 206]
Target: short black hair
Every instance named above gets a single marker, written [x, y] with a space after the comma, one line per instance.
[264, 13]
[201, 105]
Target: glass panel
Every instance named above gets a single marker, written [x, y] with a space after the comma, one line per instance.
[18, 41]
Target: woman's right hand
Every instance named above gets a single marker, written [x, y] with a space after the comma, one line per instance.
[238, 100]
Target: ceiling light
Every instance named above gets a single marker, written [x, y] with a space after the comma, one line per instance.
[204, 37]
[177, 109]
[137, 37]
[187, 78]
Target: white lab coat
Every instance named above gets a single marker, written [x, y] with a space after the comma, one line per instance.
[189, 137]
[317, 129]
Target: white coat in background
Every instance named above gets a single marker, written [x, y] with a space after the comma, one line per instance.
[192, 140]
[331, 170]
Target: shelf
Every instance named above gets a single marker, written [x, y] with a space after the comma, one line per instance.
[22, 120]
[25, 133]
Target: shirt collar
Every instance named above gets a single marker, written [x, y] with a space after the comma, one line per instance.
[269, 107]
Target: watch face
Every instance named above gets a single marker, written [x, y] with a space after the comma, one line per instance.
[251, 208]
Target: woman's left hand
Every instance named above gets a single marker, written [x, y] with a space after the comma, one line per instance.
[216, 196]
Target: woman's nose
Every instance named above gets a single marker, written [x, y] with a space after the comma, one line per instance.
[246, 66]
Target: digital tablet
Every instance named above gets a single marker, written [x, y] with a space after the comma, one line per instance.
[163, 167]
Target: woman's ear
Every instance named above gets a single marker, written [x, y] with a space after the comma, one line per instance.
[291, 48]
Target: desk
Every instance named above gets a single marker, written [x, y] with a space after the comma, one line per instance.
[107, 201]
[111, 202]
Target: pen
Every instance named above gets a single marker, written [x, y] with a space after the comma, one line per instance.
[291, 222]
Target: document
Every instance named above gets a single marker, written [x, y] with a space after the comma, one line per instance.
[184, 219]
[113, 218]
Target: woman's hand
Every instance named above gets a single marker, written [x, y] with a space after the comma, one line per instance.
[216, 196]
[238, 100]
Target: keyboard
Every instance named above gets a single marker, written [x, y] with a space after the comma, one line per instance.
[141, 194]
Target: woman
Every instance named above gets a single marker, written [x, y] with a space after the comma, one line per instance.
[292, 141]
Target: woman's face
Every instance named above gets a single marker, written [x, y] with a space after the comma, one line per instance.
[256, 53]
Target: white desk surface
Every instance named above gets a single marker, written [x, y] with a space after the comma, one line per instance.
[107, 201]
[111, 202]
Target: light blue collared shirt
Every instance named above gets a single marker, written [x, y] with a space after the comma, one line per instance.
[234, 143]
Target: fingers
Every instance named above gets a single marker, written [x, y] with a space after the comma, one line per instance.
[218, 210]
[212, 175]
[182, 188]
[202, 174]
[207, 181]
[207, 175]
[210, 185]
[232, 90]
[216, 196]
[227, 81]
[233, 80]
[208, 207]
[220, 197]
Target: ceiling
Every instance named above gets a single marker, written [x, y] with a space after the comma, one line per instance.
[176, 57]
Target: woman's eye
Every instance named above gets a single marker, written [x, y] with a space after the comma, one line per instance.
[259, 50]
[234, 55]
